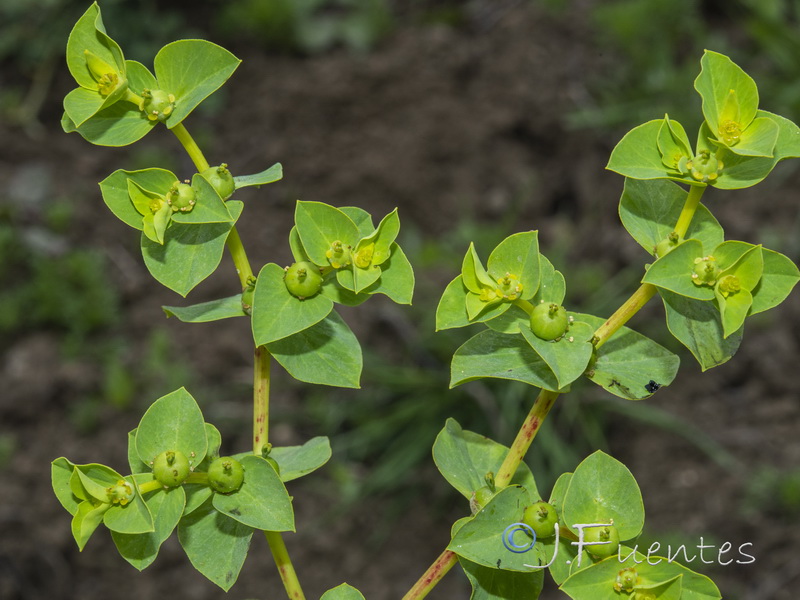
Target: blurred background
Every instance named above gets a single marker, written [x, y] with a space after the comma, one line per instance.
[478, 119]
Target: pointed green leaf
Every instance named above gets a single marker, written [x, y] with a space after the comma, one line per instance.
[473, 273]
[564, 552]
[778, 278]
[728, 93]
[133, 518]
[673, 271]
[603, 490]
[271, 175]
[397, 278]
[296, 246]
[215, 544]
[60, 473]
[361, 218]
[134, 462]
[452, 311]
[673, 144]
[115, 192]
[190, 253]
[262, 502]
[480, 540]
[319, 225]
[492, 354]
[383, 238]
[567, 357]
[480, 310]
[362, 278]
[332, 289]
[496, 584]
[637, 156]
[698, 326]
[788, 143]
[327, 353]
[465, 458]
[82, 104]
[742, 260]
[141, 550]
[209, 207]
[96, 479]
[650, 209]
[89, 33]
[213, 310]
[173, 422]
[277, 314]
[298, 461]
[517, 255]
[733, 311]
[757, 140]
[192, 70]
[342, 592]
[122, 123]
[86, 520]
[629, 361]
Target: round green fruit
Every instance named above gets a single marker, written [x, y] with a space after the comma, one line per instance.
[666, 245]
[480, 498]
[303, 279]
[549, 321]
[181, 197]
[594, 537]
[157, 105]
[221, 180]
[171, 468]
[542, 518]
[225, 474]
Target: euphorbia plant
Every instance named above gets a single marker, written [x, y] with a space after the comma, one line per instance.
[179, 478]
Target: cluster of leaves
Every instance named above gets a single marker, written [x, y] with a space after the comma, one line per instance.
[214, 528]
[600, 490]
[508, 348]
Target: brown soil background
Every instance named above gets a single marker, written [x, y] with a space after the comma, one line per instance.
[442, 123]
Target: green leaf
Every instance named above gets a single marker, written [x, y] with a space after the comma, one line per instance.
[496, 584]
[673, 271]
[60, 475]
[95, 479]
[319, 225]
[518, 255]
[603, 490]
[134, 462]
[728, 93]
[397, 278]
[627, 362]
[298, 461]
[596, 582]
[452, 311]
[383, 238]
[492, 354]
[215, 544]
[296, 246]
[209, 207]
[637, 156]
[190, 253]
[262, 502]
[361, 218]
[192, 70]
[479, 310]
[464, 458]
[166, 507]
[361, 278]
[271, 175]
[332, 289]
[82, 104]
[567, 357]
[173, 422]
[788, 143]
[733, 310]
[133, 518]
[480, 540]
[213, 310]
[650, 209]
[277, 314]
[742, 260]
[89, 33]
[673, 144]
[85, 521]
[778, 278]
[564, 552]
[114, 190]
[342, 592]
[698, 326]
[122, 123]
[474, 274]
[757, 140]
[327, 353]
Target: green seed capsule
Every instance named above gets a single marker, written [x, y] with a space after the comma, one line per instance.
[626, 580]
[121, 493]
[181, 197]
[157, 105]
[667, 244]
[225, 475]
[705, 271]
[595, 536]
[542, 518]
[303, 279]
[221, 180]
[549, 321]
[480, 498]
[171, 468]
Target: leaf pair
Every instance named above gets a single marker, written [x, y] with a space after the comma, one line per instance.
[186, 72]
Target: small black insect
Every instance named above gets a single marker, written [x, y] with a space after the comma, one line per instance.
[498, 563]
[652, 386]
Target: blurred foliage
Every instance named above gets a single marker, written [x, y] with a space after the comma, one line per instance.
[774, 491]
[650, 50]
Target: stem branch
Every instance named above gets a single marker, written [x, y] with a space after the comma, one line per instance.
[284, 564]
[689, 208]
[263, 360]
[631, 306]
[432, 576]
[191, 147]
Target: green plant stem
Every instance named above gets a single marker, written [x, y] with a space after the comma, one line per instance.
[530, 427]
[132, 98]
[263, 360]
[191, 147]
[440, 567]
[150, 486]
[239, 256]
[689, 208]
[284, 564]
[632, 305]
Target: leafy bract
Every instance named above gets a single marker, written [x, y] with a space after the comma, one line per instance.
[173, 422]
[342, 592]
[465, 458]
[497, 584]
[778, 278]
[297, 461]
[673, 271]
[319, 225]
[517, 255]
[274, 173]
[192, 70]
[568, 356]
[327, 353]
[213, 310]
